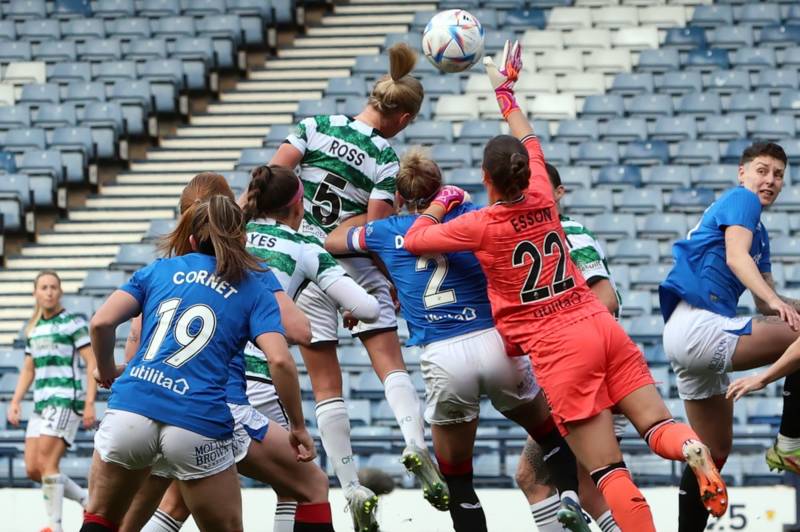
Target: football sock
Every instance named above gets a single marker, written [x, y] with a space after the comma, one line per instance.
[557, 457]
[692, 515]
[284, 516]
[606, 522]
[53, 492]
[666, 439]
[545, 514]
[790, 420]
[74, 492]
[465, 508]
[313, 517]
[404, 402]
[787, 444]
[162, 522]
[627, 503]
[334, 430]
[97, 523]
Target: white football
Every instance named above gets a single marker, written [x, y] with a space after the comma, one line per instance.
[453, 40]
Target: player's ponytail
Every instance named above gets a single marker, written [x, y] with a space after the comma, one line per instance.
[506, 164]
[38, 311]
[273, 190]
[419, 178]
[398, 92]
[200, 188]
[218, 230]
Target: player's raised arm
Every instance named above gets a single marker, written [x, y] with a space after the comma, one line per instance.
[503, 80]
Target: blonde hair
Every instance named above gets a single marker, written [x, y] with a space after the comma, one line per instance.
[419, 178]
[398, 91]
[38, 311]
[200, 188]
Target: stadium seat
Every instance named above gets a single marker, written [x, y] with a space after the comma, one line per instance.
[131, 257]
[589, 201]
[663, 226]
[659, 60]
[166, 71]
[99, 50]
[681, 82]
[709, 16]
[12, 359]
[560, 61]
[685, 38]
[452, 155]
[12, 52]
[640, 201]
[542, 40]
[662, 16]
[693, 152]
[791, 57]
[603, 106]
[159, 8]
[727, 127]
[20, 72]
[750, 103]
[650, 106]
[715, 176]
[456, 108]
[8, 162]
[577, 131]
[707, 59]
[759, 14]
[785, 249]
[544, 83]
[479, 131]
[613, 226]
[619, 177]
[24, 139]
[635, 251]
[692, 200]
[608, 61]
[38, 30]
[573, 177]
[82, 29]
[788, 200]
[551, 106]
[669, 176]
[11, 214]
[753, 59]
[773, 127]
[18, 184]
[699, 104]
[654, 354]
[586, 39]
[731, 37]
[55, 51]
[66, 9]
[54, 115]
[777, 223]
[470, 179]
[429, 132]
[646, 153]
[557, 153]
[175, 27]
[780, 36]
[625, 130]
[35, 94]
[250, 158]
[569, 18]
[597, 153]
[648, 277]
[63, 73]
[143, 49]
[581, 84]
[628, 84]
[675, 128]
[728, 81]
[646, 329]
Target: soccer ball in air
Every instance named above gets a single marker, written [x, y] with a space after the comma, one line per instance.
[453, 40]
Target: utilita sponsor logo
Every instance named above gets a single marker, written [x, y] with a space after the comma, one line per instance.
[157, 377]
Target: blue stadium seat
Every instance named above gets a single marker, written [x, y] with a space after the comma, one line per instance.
[727, 127]
[646, 329]
[773, 127]
[663, 226]
[786, 249]
[144, 49]
[669, 176]
[239, 180]
[102, 282]
[597, 153]
[98, 50]
[55, 115]
[158, 228]
[648, 277]
[764, 410]
[573, 177]
[277, 134]
[692, 200]
[731, 37]
[659, 60]
[774, 81]
[429, 132]
[489, 17]
[15, 51]
[792, 149]
[42, 162]
[638, 303]
[494, 41]
[793, 14]
[250, 158]
[367, 386]
[654, 354]
[681, 82]
[707, 16]
[750, 103]
[159, 8]
[54, 51]
[128, 29]
[791, 57]
[625, 130]
[436, 85]
[603, 106]
[164, 71]
[371, 65]
[557, 153]
[628, 84]
[470, 179]
[18, 184]
[777, 223]
[707, 59]
[25, 9]
[613, 226]
[25, 139]
[788, 200]
[322, 106]
[780, 36]
[82, 29]
[589, 201]
[74, 139]
[136, 99]
[81, 93]
[578, 130]
[753, 58]
[11, 214]
[789, 103]
[695, 152]
[523, 19]
[195, 48]
[131, 257]
[715, 176]
[452, 155]
[174, 27]
[759, 14]
[728, 81]
[199, 8]
[640, 201]
[107, 123]
[646, 153]
[39, 93]
[115, 70]
[227, 27]
[8, 30]
[12, 359]
[114, 8]
[8, 163]
[479, 131]
[414, 39]
[348, 86]
[64, 73]
[13, 117]
[620, 176]
[675, 128]
[685, 38]
[650, 106]
[66, 9]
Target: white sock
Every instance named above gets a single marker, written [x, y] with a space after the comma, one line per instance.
[284, 516]
[544, 514]
[404, 402]
[53, 491]
[74, 492]
[787, 444]
[570, 495]
[334, 430]
[606, 522]
[162, 522]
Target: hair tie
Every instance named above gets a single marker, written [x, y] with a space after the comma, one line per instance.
[298, 196]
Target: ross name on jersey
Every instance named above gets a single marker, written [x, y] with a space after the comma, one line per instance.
[531, 218]
[346, 152]
[205, 278]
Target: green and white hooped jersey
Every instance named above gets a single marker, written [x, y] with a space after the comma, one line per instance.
[295, 260]
[53, 343]
[587, 253]
[345, 164]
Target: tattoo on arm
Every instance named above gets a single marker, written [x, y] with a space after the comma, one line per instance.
[768, 319]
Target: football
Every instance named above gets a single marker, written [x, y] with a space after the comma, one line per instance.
[453, 40]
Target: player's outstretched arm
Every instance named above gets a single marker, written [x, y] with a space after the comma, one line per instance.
[117, 309]
[787, 364]
[503, 80]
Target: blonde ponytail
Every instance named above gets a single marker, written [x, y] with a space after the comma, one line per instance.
[419, 178]
[398, 91]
